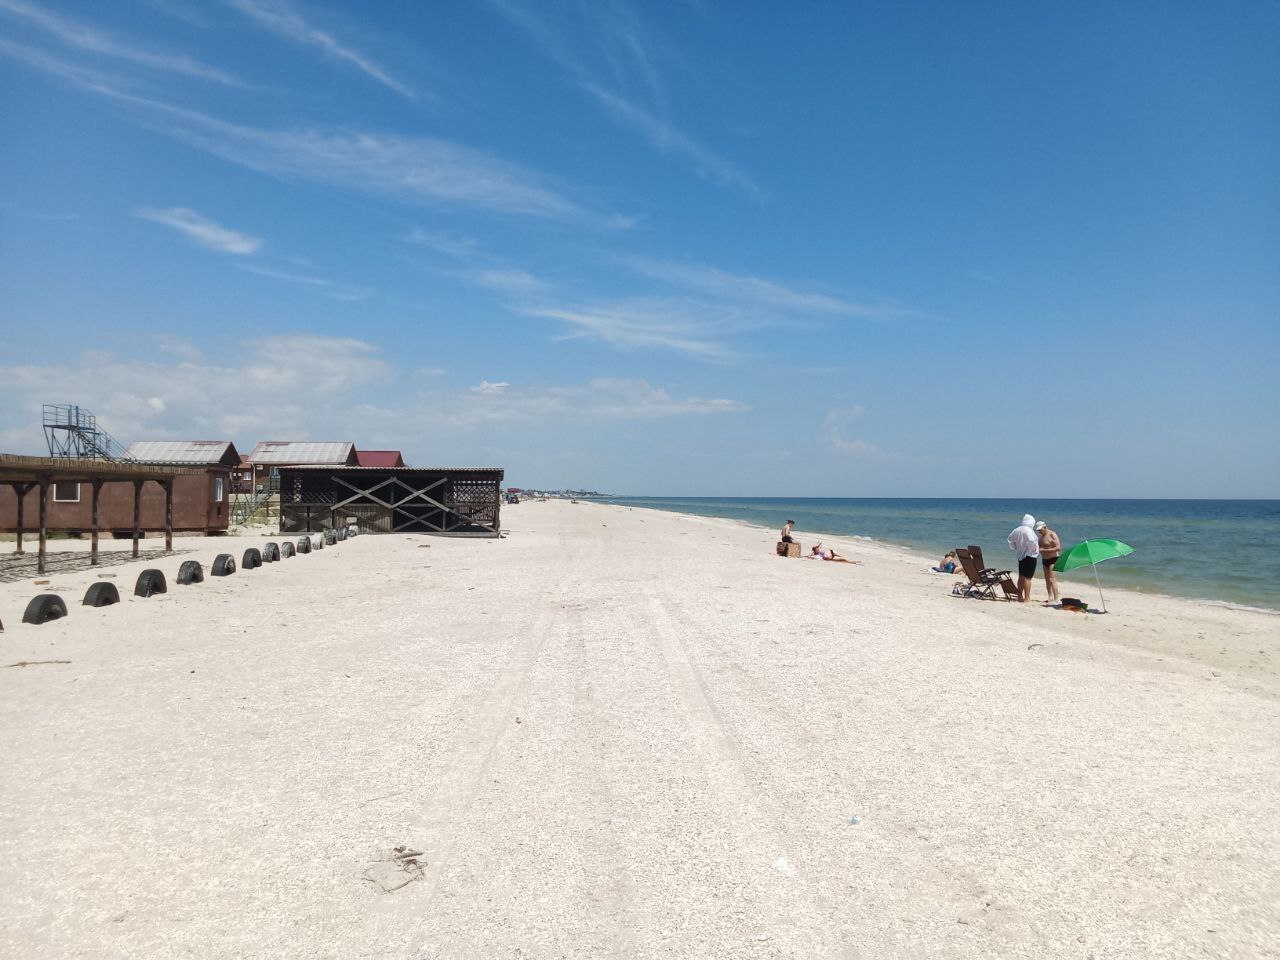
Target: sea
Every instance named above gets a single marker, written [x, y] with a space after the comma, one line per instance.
[1223, 551]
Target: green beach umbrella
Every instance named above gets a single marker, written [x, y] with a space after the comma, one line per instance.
[1090, 553]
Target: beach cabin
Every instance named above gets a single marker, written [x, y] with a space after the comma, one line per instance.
[455, 501]
[270, 455]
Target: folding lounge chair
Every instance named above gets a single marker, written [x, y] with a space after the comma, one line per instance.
[1004, 578]
[976, 552]
[983, 583]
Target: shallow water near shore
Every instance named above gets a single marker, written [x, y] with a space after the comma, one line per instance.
[1220, 550]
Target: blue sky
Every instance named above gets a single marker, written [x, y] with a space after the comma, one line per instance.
[692, 248]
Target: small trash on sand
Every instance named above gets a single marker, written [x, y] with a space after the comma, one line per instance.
[395, 868]
[33, 663]
[853, 821]
[762, 937]
[1034, 646]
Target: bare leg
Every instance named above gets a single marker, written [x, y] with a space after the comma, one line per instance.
[1051, 583]
[1024, 588]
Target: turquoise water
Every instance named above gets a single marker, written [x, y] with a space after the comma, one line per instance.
[1224, 550]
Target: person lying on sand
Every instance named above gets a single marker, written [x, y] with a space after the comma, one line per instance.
[948, 564]
[826, 553]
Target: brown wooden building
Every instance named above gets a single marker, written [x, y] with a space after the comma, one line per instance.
[200, 497]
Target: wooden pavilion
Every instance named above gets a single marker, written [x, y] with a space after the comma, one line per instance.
[45, 474]
[456, 501]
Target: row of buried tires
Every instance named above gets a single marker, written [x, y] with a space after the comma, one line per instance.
[50, 606]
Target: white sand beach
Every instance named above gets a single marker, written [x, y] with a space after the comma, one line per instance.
[626, 733]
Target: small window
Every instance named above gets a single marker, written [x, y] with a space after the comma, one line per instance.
[66, 493]
[217, 489]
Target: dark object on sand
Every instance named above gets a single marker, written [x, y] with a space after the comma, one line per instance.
[150, 582]
[45, 607]
[252, 558]
[101, 594]
[190, 572]
[224, 565]
[304, 545]
[286, 550]
[270, 553]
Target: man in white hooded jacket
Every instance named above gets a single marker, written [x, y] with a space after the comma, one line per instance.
[1026, 545]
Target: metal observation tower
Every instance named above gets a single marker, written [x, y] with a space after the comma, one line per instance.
[72, 431]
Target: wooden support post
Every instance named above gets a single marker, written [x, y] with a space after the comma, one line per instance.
[21, 490]
[93, 549]
[168, 515]
[137, 515]
[44, 522]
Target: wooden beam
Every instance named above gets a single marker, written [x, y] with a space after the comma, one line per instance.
[44, 523]
[93, 549]
[168, 515]
[137, 515]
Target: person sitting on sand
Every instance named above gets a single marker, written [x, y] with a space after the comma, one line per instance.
[826, 553]
[948, 563]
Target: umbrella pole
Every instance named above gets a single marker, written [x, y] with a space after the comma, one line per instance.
[1099, 583]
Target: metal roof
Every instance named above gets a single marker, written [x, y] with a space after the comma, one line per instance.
[184, 451]
[298, 451]
[355, 469]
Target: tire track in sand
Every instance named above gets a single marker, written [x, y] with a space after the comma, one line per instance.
[796, 915]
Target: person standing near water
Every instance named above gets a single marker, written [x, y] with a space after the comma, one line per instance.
[1050, 548]
[1024, 542]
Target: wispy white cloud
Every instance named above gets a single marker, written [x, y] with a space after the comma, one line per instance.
[78, 34]
[489, 388]
[202, 230]
[743, 287]
[634, 96]
[594, 400]
[282, 19]
[684, 326]
[510, 280]
[411, 169]
[330, 288]
[665, 137]
[835, 429]
[419, 169]
[460, 248]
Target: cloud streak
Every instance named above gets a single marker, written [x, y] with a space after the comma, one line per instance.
[595, 400]
[284, 21]
[615, 31]
[834, 429]
[412, 169]
[202, 230]
[78, 34]
[743, 287]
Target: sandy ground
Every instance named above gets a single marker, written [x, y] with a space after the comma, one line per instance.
[622, 733]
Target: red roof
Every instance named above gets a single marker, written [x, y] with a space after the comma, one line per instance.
[379, 458]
